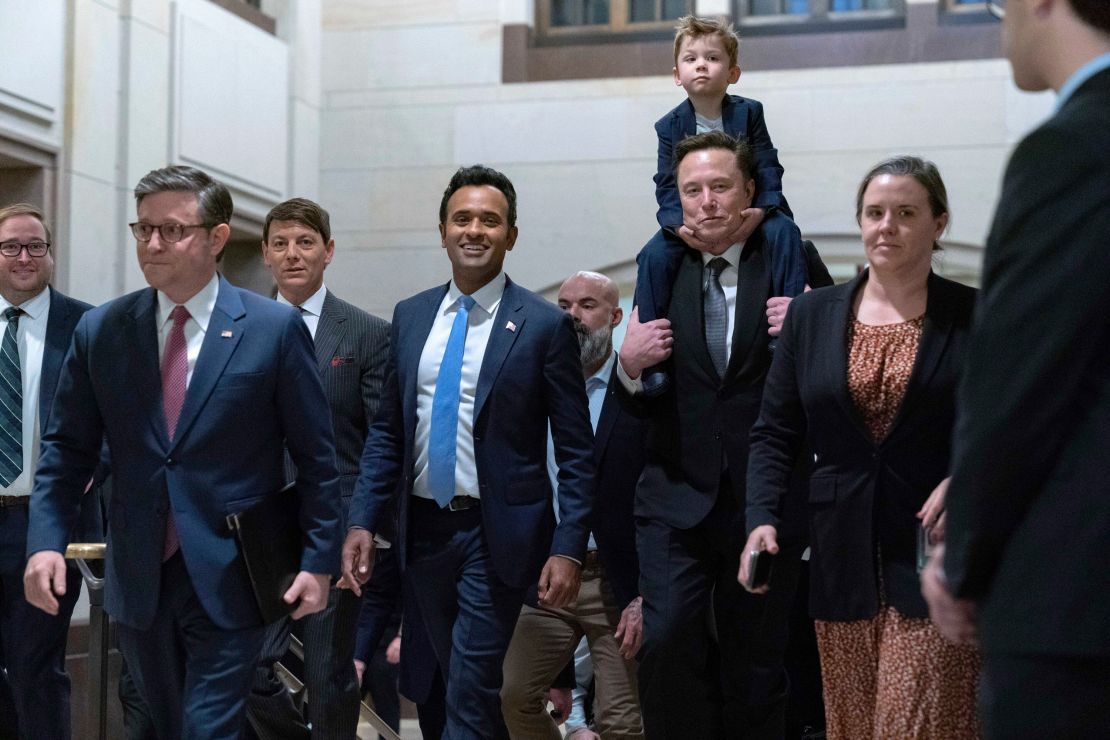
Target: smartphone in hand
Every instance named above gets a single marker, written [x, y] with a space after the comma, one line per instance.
[759, 569]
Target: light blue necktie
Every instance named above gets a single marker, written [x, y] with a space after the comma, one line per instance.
[445, 410]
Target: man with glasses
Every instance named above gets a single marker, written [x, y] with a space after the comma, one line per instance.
[1024, 568]
[199, 387]
[36, 323]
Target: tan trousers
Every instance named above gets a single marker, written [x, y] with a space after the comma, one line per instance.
[544, 643]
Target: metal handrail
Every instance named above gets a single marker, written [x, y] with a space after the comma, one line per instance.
[96, 703]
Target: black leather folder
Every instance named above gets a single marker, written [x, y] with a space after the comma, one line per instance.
[270, 539]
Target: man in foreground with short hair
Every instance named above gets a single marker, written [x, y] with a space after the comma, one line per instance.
[1023, 569]
[480, 368]
[189, 379]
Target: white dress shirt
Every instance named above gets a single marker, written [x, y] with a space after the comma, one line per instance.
[311, 308]
[200, 309]
[730, 280]
[479, 326]
[31, 337]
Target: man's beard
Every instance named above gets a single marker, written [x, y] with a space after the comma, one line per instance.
[596, 346]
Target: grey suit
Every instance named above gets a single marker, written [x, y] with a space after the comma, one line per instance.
[352, 349]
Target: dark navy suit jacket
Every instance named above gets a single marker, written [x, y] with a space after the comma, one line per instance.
[254, 388]
[620, 450]
[742, 117]
[531, 373]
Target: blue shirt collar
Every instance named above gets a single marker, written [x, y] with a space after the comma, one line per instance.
[1081, 75]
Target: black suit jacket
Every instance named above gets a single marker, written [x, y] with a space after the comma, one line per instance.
[619, 454]
[352, 351]
[1029, 504]
[863, 495]
[699, 429]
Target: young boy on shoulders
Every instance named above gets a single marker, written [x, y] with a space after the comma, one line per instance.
[705, 64]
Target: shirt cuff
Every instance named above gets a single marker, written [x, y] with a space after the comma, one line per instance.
[568, 557]
[632, 385]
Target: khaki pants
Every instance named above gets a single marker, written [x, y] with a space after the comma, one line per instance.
[543, 644]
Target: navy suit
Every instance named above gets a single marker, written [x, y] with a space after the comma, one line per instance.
[531, 374]
[237, 418]
[34, 642]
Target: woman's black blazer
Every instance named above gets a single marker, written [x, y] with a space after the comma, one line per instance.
[862, 496]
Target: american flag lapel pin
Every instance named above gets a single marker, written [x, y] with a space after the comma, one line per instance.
[226, 334]
[510, 326]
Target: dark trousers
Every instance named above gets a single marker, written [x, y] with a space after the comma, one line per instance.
[712, 661]
[329, 676]
[657, 265]
[468, 612]
[33, 642]
[1030, 697]
[193, 675]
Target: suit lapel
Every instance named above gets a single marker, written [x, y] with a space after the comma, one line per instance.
[610, 408]
[686, 310]
[501, 340]
[329, 331]
[141, 334]
[408, 355]
[934, 338]
[220, 341]
[753, 286]
[54, 351]
[837, 358]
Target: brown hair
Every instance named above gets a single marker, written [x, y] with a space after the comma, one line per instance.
[692, 27]
[745, 157]
[302, 211]
[25, 209]
[922, 170]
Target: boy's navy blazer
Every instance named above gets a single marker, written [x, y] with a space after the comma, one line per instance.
[254, 391]
[531, 373]
[741, 117]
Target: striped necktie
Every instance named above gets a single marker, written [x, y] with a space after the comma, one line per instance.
[175, 376]
[11, 402]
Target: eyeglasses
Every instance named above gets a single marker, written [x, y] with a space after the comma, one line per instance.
[169, 232]
[997, 8]
[35, 249]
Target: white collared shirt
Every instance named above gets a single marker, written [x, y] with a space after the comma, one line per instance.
[479, 327]
[200, 308]
[312, 308]
[730, 281]
[31, 337]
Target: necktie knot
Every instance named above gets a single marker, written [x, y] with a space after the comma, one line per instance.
[180, 315]
[466, 302]
[301, 309]
[12, 314]
[717, 265]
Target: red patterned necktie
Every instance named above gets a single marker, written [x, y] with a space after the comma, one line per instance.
[175, 374]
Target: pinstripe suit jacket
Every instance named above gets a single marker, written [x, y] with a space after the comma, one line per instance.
[352, 350]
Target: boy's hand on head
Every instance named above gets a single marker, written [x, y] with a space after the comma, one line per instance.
[750, 219]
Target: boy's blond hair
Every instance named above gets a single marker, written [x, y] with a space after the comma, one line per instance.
[692, 27]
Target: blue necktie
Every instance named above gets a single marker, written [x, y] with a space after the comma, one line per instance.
[11, 402]
[442, 439]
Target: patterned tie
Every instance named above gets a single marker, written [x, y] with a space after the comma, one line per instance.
[445, 410]
[716, 320]
[175, 375]
[11, 402]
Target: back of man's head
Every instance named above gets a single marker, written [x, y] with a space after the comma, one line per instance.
[1095, 13]
[745, 157]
